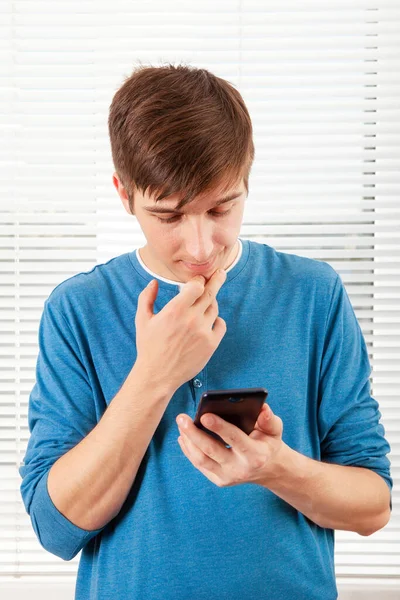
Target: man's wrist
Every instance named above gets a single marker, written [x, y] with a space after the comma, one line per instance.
[288, 465]
[293, 479]
[159, 385]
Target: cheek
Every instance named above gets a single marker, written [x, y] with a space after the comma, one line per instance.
[232, 225]
[160, 236]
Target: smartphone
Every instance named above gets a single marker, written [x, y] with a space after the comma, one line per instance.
[240, 406]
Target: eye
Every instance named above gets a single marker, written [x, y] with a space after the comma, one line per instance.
[174, 219]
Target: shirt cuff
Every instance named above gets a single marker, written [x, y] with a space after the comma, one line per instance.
[55, 532]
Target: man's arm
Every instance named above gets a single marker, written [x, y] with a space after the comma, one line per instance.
[333, 496]
[90, 483]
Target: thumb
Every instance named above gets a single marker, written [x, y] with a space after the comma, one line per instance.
[147, 298]
[268, 422]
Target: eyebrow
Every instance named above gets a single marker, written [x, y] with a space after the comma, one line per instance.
[159, 209]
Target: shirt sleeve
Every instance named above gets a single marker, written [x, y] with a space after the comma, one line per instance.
[60, 414]
[348, 416]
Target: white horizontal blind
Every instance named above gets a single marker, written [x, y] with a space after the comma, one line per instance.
[321, 81]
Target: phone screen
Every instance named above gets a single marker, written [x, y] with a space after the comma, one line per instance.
[240, 406]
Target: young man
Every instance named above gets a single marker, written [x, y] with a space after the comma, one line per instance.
[160, 509]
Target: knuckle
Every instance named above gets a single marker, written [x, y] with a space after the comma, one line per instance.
[233, 441]
[202, 461]
[257, 463]
[200, 283]
[222, 323]
[222, 484]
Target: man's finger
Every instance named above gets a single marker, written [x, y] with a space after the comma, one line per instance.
[268, 422]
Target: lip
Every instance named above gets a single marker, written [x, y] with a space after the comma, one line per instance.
[198, 268]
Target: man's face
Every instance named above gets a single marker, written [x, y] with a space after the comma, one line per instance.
[200, 232]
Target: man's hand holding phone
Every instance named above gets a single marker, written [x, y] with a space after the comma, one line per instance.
[255, 458]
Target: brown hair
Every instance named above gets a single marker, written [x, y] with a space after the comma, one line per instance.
[179, 129]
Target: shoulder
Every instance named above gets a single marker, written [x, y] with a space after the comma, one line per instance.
[294, 269]
[89, 288]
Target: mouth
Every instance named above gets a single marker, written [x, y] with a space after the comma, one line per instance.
[198, 268]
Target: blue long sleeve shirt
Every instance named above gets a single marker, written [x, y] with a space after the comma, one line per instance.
[291, 329]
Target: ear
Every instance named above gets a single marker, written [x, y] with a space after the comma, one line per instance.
[123, 194]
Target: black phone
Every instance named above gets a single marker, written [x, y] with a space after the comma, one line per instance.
[240, 406]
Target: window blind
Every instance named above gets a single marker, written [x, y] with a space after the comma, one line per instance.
[321, 82]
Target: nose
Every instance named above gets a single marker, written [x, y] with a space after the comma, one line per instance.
[198, 240]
